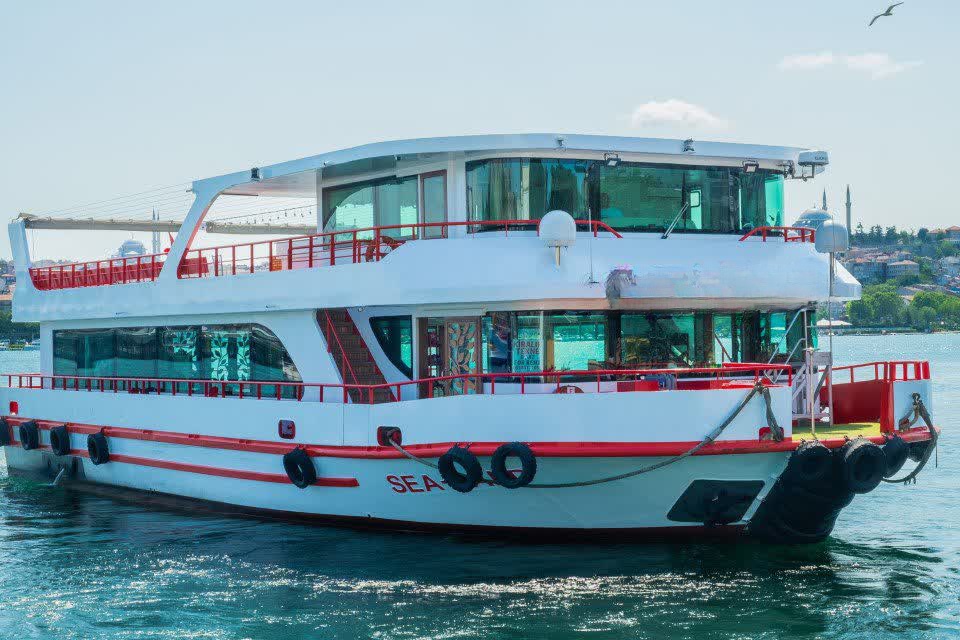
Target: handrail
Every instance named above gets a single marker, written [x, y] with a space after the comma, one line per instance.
[370, 244]
[97, 273]
[343, 352]
[893, 370]
[789, 234]
[273, 389]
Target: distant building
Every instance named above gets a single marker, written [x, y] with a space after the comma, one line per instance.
[903, 268]
[131, 249]
[813, 218]
[950, 233]
[868, 269]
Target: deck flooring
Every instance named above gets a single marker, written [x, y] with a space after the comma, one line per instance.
[826, 432]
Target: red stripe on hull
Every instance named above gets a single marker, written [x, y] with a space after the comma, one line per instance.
[435, 450]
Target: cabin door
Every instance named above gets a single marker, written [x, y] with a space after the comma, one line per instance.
[461, 354]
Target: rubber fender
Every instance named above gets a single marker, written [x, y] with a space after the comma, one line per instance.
[299, 467]
[498, 465]
[29, 435]
[895, 452]
[4, 433]
[862, 465]
[472, 472]
[60, 440]
[811, 464]
[919, 449]
[98, 448]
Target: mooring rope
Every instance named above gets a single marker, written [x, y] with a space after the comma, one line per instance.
[919, 409]
[776, 431]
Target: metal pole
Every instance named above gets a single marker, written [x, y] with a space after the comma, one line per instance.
[833, 257]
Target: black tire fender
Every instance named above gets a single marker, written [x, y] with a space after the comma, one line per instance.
[299, 467]
[811, 464]
[862, 465]
[29, 434]
[462, 482]
[895, 452]
[60, 440]
[498, 465]
[98, 449]
[5, 438]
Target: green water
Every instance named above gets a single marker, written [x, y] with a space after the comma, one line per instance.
[76, 566]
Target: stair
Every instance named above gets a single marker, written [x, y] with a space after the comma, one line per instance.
[352, 356]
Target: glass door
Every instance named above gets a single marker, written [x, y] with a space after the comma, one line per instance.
[433, 202]
[461, 354]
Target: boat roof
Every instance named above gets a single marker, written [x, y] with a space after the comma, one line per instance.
[298, 177]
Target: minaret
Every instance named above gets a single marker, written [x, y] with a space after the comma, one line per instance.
[849, 221]
[824, 199]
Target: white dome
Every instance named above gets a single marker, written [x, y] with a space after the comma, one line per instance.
[558, 229]
[832, 237]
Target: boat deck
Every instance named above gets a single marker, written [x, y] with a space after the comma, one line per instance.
[826, 432]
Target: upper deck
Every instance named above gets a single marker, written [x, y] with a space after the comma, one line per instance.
[477, 199]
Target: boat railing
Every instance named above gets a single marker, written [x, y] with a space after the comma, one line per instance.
[347, 246]
[98, 273]
[893, 371]
[528, 383]
[789, 234]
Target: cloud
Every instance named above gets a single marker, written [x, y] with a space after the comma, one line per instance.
[807, 61]
[877, 65]
[674, 111]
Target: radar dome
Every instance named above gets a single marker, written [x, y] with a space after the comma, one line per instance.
[558, 229]
[832, 237]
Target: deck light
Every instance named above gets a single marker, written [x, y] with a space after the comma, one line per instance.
[611, 159]
[688, 146]
[750, 166]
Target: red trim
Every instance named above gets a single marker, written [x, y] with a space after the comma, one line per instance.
[435, 450]
[259, 476]
[98, 273]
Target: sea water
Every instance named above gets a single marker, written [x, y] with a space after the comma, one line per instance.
[74, 565]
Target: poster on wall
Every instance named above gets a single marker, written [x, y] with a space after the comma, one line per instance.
[527, 350]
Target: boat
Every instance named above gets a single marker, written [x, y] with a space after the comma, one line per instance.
[33, 345]
[4, 345]
[531, 335]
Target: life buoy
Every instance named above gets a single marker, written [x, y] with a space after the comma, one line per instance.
[4, 433]
[895, 452]
[60, 440]
[498, 465]
[98, 448]
[373, 249]
[299, 468]
[465, 481]
[568, 388]
[811, 464]
[863, 465]
[29, 435]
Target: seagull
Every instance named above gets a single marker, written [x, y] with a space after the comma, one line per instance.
[888, 12]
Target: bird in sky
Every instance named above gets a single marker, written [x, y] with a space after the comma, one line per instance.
[888, 12]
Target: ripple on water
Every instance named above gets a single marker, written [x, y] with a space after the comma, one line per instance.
[74, 565]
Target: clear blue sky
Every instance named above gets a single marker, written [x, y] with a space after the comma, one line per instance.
[99, 99]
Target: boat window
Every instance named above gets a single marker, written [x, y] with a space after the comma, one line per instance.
[628, 196]
[395, 335]
[576, 341]
[526, 188]
[654, 340]
[217, 352]
[376, 203]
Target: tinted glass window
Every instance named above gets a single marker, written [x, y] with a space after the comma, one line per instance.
[395, 335]
[136, 352]
[372, 204]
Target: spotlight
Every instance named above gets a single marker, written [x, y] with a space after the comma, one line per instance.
[611, 159]
[750, 166]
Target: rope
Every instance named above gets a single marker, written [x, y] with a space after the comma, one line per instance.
[919, 409]
[775, 429]
[411, 456]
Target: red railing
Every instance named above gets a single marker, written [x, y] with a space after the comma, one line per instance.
[339, 247]
[789, 234]
[534, 383]
[894, 371]
[98, 273]
[330, 330]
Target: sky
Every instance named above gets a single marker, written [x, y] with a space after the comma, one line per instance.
[101, 99]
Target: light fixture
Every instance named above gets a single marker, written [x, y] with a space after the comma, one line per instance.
[751, 166]
[611, 159]
[688, 145]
